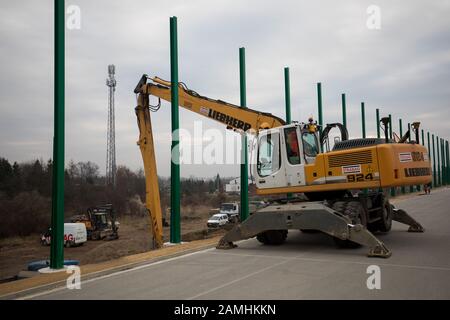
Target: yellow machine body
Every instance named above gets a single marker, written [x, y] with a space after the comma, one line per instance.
[377, 166]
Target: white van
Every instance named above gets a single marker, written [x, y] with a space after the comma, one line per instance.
[75, 234]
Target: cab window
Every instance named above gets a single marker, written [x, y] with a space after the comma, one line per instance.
[269, 159]
[310, 145]
[292, 150]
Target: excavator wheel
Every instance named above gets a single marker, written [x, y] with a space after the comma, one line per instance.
[272, 237]
[353, 210]
[385, 223]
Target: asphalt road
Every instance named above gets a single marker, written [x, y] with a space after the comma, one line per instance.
[308, 266]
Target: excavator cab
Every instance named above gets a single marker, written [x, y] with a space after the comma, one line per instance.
[283, 153]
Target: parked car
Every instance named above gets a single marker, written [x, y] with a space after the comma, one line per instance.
[75, 234]
[217, 220]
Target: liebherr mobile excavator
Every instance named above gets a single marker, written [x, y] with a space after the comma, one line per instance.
[290, 159]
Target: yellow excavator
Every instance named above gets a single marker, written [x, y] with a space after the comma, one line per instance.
[290, 158]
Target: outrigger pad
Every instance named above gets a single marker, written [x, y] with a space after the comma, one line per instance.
[225, 245]
[380, 252]
[402, 217]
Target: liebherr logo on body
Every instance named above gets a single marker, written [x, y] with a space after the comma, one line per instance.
[228, 120]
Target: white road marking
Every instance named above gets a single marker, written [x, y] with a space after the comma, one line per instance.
[340, 261]
[239, 279]
[115, 274]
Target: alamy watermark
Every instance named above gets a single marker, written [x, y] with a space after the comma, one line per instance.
[211, 146]
[373, 21]
[73, 18]
[74, 280]
[374, 280]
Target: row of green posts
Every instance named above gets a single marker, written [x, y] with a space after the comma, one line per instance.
[439, 156]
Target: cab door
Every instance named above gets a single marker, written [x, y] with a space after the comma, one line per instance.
[268, 167]
[294, 162]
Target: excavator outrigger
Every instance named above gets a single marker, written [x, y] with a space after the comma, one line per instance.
[290, 159]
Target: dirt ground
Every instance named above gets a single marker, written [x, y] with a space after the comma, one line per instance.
[134, 237]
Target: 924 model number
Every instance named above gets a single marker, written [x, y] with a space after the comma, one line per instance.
[359, 177]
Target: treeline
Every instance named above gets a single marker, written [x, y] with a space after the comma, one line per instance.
[26, 190]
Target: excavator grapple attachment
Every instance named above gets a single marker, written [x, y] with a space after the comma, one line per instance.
[305, 216]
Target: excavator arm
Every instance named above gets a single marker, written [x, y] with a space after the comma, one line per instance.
[232, 116]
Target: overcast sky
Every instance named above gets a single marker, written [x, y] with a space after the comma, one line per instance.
[402, 68]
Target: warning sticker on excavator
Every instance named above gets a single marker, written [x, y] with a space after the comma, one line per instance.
[356, 168]
[204, 110]
[405, 157]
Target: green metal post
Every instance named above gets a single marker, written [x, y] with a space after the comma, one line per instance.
[444, 178]
[390, 137]
[400, 129]
[244, 164]
[448, 161]
[441, 175]
[444, 160]
[344, 111]
[438, 162]
[445, 164]
[363, 127]
[411, 188]
[447, 167]
[410, 132]
[57, 221]
[319, 106]
[390, 126]
[444, 147]
[434, 163]
[175, 229]
[363, 120]
[287, 98]
[429, 151]
[423, 143]
[287, 94]
[377, 116]
[377, 112]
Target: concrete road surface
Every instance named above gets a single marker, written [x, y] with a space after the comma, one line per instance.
[308, 266]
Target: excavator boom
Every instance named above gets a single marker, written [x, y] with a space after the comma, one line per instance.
[234, 117]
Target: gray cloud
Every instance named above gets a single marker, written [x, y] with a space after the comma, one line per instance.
[403, 69]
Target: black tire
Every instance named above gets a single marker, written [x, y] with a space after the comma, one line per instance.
[261, 237]
[355, 211]
[385, 223]
[272, 237]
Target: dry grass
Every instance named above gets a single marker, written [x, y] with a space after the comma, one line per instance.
[134, 237]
